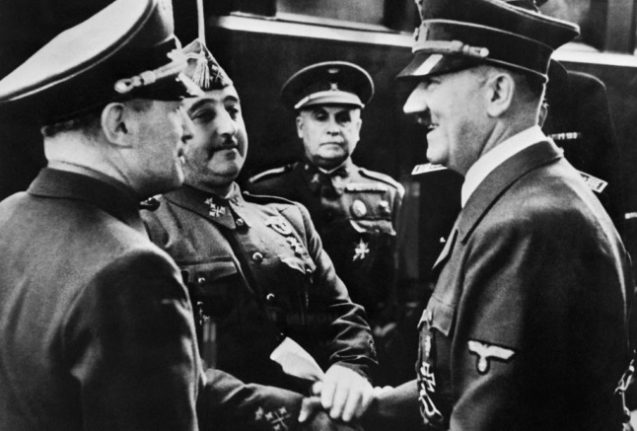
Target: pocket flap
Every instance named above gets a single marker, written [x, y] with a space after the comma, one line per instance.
[205, 272]
[440, 315]
[373, 226]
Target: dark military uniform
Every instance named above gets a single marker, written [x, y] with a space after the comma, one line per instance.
[527, 327]
[257, 268]
[355, 211]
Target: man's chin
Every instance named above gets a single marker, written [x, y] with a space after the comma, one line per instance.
[330, 161]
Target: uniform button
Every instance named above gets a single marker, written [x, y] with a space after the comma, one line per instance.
[240, 222]
[270, 297]
[257, 257]
[201, 280]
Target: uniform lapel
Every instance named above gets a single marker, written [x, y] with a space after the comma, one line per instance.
[498, 181]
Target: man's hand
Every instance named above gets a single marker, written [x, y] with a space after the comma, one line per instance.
[344, 393]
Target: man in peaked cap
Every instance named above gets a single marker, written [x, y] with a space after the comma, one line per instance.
[354, 209]
[527, 326]
[97, 329]
[258, 273]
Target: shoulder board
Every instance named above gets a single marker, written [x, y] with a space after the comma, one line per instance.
[266, 199]
[271, 173]
[383, 178]
[380, 177]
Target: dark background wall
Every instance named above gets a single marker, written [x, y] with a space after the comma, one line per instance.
[261, 51]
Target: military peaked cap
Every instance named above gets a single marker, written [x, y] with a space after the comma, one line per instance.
[328, 83]
[457, 34]
[127, 50]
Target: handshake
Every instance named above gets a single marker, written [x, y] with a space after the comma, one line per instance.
[341, 392]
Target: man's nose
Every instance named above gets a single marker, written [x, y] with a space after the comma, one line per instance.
[187, 126]
[226, 124]
[333, 127]
[417, 100]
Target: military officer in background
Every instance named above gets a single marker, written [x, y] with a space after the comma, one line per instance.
[258, 272]
[354, 209]
[96, 325]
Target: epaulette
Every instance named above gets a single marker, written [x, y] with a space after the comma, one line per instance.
[383, 178]
[270, 173]
[266, 199]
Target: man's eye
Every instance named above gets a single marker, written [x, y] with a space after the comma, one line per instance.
[233, 111]
[343, 119]
[320, 116]
[202, 116]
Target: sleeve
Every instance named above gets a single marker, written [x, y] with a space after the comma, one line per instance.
[227, 403]
[541, 312]
[395, 408]
[130, 341]
[230, 404]
[340, 324]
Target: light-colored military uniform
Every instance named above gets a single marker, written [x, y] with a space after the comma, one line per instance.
[256, 266]
[355, 212]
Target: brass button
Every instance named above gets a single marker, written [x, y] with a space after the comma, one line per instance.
[240, 222]
[201, 280]
[257, 257]
[270, 297]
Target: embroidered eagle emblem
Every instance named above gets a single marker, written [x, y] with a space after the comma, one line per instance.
[485, 352]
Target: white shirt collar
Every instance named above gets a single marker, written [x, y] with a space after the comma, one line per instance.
[496, 156]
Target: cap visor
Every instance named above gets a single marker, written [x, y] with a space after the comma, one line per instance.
[329, 97]
[426, 64]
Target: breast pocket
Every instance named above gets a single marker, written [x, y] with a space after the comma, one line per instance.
[213, 286]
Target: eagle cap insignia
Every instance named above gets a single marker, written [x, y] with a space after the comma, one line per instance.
[485, 352]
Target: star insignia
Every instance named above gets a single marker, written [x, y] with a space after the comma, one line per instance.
[361, 251]
[258, 415]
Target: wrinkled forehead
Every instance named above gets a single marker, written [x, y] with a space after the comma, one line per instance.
[216, 96]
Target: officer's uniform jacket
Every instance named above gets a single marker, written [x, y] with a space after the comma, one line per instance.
[355, 212]
[257, 268]
[527, 326]
[96, 326]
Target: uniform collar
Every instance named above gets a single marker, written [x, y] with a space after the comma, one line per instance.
[314, 175]
[105, 193]
[224, 211]
[498, 180]
[496, 156]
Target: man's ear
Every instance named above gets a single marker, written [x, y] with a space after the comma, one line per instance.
[500, 94]
[113, 121]
[299, 126]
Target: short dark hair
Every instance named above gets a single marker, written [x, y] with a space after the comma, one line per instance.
[88, 121]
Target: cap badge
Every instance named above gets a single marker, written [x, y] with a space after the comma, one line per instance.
[361, 251]
[333, 86]
[358, 208]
